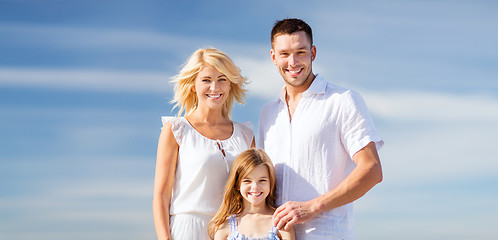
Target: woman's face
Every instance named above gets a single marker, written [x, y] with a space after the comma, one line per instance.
[212, 88]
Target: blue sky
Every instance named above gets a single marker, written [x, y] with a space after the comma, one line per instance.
[83, 85]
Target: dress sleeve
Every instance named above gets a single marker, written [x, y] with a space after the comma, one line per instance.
[177, 127]
[247, 132]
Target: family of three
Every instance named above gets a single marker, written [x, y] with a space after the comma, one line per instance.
[316, 151]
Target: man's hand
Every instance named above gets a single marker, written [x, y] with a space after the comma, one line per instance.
[292, 213]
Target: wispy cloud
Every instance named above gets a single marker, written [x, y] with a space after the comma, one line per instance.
[81, 37]
[85, 79]
[436, 107]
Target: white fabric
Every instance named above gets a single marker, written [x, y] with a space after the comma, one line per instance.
[313, 153]
[202, 170]
[189, 227]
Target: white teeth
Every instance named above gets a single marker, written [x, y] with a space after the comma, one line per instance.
[256, 194]
[214, 95]
[295, 72]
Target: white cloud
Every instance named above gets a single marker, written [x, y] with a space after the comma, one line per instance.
[265, 82]
[84, 37]
[433, 106]
[85, 79]
[435, 136]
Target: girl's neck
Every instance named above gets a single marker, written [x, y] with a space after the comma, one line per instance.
[256, 209]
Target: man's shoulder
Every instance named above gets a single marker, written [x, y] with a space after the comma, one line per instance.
[339, 92]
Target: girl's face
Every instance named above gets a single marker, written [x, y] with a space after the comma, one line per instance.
[212, 88]
[255, 187]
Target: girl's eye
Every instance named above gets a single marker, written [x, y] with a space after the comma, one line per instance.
[222, 79]
[205, 80]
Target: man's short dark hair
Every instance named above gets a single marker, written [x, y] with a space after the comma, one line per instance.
[289, 26]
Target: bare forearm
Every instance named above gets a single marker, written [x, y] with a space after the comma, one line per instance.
[359, 182]
[161, 218]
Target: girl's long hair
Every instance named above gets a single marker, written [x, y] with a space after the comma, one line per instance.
[232, 199]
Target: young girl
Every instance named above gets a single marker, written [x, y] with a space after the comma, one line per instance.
[249, 201]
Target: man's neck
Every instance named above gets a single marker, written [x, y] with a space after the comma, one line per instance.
[293, 94]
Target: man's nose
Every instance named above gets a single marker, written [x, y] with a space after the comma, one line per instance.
[292, 60]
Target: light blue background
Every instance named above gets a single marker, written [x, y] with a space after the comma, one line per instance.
[83, 85]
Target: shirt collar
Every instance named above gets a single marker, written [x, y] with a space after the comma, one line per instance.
[318, 86]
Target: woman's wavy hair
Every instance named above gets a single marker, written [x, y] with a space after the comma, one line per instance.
[186, 99]
[232, 203]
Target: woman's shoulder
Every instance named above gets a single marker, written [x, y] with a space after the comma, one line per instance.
[246, 129]
[175, 125]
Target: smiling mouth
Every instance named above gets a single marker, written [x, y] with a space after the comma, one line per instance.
[295, 72]
[214, 96]
[254, 194]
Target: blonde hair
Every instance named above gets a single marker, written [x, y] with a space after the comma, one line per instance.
[232, 203]
[186, 99]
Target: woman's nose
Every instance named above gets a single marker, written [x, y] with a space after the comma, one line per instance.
[213, 86]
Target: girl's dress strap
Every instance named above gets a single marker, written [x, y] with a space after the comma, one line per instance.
[232, 221]
[273, 234]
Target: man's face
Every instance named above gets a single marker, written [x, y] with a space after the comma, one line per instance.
[293, 55]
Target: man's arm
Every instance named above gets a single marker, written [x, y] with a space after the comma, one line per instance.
[365, 176]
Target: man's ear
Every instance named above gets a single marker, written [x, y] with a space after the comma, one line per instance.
[272, 54]
[313, 53]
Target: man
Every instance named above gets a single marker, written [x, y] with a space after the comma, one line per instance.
[321, 139]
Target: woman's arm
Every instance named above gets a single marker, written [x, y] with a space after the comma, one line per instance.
[167, 154]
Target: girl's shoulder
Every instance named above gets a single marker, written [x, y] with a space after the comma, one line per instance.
[223, 232]
[287, 234]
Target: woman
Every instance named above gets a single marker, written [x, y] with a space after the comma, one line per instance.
[196, 150]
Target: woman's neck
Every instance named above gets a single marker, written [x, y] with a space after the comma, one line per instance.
[212, 117]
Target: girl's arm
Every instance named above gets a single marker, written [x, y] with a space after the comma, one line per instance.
[287, 234]
[167, 154]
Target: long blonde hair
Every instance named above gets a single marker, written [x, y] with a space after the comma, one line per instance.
[186, 99]
[232, 203]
